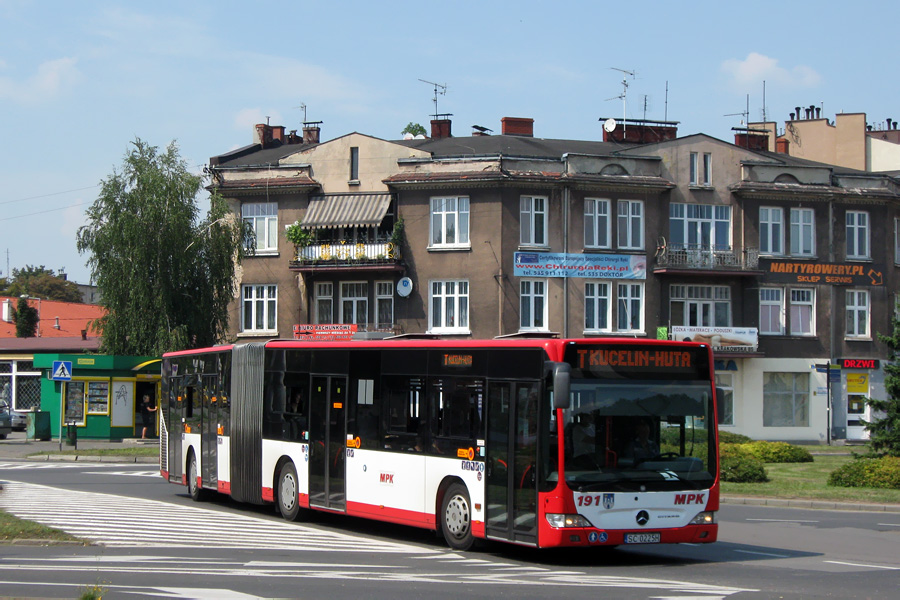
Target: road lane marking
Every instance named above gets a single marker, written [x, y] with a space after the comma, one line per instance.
[782, 520]
[849, 564]
[773, 555]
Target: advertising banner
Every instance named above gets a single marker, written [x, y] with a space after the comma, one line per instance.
[329, 332]
[597, 266]
[722, 339]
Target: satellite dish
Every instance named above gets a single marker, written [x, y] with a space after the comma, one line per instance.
[609, 125]
[404, 287]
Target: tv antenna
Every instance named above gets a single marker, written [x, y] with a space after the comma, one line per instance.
[745, 114]
[623, 95]
[303, 108]
[439, 88]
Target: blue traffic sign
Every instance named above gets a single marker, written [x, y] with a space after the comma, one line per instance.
[62, 370]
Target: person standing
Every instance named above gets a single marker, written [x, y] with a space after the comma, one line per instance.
[147, 410]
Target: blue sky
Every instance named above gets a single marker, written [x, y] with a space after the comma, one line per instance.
[80, 80]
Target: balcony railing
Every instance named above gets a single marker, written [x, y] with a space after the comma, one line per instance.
[695, 256]
[347, 253]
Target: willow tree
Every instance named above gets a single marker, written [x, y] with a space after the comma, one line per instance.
[165, 275]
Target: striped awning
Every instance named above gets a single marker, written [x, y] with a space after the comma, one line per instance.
[346, 210]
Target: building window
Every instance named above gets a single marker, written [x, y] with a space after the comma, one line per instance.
[771, 311]
[707, 169]
[693, 174]
[533, 305]
[699, 226]
[263, 218]
[384, 304]
[630, 224]
[803, 311]
[450, 222]
[449, 306]
[857, 314]
[785, 400]
[324, 302]
[259, 310]
[631, 307]
[857, 234]
[771, 230]
[20, 385]
[596, 306]
[355, 302]
[700, 305]
[803, 232]
[725, 398]
[533, 221]
[354, 163]
[596, 223]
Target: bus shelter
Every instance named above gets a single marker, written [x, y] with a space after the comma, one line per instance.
[102, 396]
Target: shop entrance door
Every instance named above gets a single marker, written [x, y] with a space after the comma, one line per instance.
[327, 442]
[856, 385]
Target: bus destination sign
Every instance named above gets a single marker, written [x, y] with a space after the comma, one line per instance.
[639, 360]
[634, 358]
[458, 360]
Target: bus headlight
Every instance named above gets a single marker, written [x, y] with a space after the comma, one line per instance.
[704, 518]
[562, 521]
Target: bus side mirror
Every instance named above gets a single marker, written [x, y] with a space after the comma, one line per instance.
[561, 379]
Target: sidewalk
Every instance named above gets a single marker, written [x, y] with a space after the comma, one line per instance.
[17, 447]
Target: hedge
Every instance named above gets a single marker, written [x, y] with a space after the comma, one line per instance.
[739, 466]
[881, 472]
[777, 452]
[727, 437]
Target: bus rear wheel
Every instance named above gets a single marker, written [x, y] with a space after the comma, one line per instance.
[197, 493]
[456, 517]
[288, 488]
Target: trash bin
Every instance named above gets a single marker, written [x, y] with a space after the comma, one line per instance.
[72, 434]
[37, 425]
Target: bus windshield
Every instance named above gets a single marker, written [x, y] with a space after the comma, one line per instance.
[639, 435]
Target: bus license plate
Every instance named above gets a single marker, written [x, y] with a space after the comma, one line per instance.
[642, 538]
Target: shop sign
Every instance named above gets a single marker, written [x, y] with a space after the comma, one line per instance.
[325, 332]
[857, 383]
[722, 339]
[597, 266]
[860, 363]
[818, 273]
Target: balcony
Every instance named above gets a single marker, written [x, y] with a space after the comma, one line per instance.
[347, 255]
[680, 258]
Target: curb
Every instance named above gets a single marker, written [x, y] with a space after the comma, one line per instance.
[93, 459]
[817, 504]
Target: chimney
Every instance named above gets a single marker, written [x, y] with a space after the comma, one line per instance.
[818, 112]
[792, 116]
[440, 129]
[311, 133]
[268, 135]
[782, 145]
[889, 123]
[797, 108]
[806, 112]
[812, 110]
[517, 126]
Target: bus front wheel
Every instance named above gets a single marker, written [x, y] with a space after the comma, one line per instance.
[456, 517]
[288, 500]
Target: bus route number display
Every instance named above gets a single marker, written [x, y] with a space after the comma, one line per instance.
[637, 359]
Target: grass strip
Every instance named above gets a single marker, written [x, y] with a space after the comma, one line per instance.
[15, 529]
[135, 451]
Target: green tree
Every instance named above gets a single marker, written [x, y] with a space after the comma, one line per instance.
[413, 129]
[42, 282]
[26, 319]
[165, 277]
[884, 433]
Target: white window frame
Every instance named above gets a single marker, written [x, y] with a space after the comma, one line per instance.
[263, 219]
[771, 301]
[324, 294]
[630, 224]
[446, 297]
[629, 299]
[533, 220]
[259, 301]
[771, 230]
[707, 169]
[803, 232]
[694, 167]
[701, 226]
[597, 223]
[449, 215]
[794, 316]
[858, 234]
[793, 402]
[355, 295]
[705, 302]
[384, 296]
[858, 314]
[598, 306]
[533, 305]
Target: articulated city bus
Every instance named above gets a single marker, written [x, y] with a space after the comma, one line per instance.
[539, 442]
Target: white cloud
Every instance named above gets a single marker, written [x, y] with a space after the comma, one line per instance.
[758, 67]
[73, 218]
[51, 78]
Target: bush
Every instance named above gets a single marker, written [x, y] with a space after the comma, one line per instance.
[777, 452]
[727, 437]
[738, 466]
[868, 472]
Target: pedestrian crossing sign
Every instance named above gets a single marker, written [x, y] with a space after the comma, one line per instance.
[62, 370]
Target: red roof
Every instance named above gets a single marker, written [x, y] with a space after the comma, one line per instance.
[72, 317]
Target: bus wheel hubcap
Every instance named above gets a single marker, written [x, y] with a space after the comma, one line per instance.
[457, 516]
[288, 492]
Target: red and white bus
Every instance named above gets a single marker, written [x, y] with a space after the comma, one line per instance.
[540, 442]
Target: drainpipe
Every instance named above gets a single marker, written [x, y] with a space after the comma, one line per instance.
[565, 251]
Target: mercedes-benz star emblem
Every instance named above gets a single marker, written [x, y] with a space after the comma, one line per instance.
[642, 517]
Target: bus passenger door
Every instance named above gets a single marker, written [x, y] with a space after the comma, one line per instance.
[511, 492]
[327, 442]
[208, 434]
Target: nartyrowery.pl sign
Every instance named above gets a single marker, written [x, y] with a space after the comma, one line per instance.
[817, 273]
